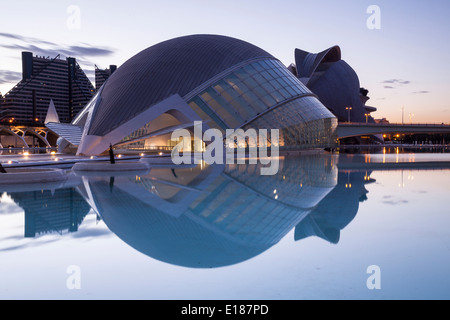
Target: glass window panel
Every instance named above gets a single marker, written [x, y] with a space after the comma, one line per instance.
[268, 87]
[241, 74]
[260, 92]
[265, 65]
[266, 75]
[283, 82]
[202, 105]
[227, 96]
[298, 89]
[241, 108]
[254, 102]
[223, 84]
[219, 88]
[239, 89]
[250, 70]
[273, 74]
[232, 80]
[285, 93]
[291, 91]
[251, 83]
[206, 96]
[276, 84]
[258, 66]
[246, 109]
[280, 72]
[228, 116]
[277, 96]
[259, 78]
[221, 106]
[202, 114]
[268, 100]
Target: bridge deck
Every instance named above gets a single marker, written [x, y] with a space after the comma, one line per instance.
[346, 130]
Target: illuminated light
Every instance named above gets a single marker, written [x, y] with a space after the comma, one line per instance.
[274, 191]
[9, 162]
[56, 159]
[92, 158]
[142, 154]
[53, 152]
[119, 156]
[276, 197]
[37, 119]
[26, 153]
[161, 153]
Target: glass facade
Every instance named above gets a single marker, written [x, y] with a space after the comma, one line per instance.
[262, 95]
[301, 123]
[265, 95]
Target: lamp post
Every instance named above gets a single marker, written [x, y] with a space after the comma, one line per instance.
[367, 117]
[348, 110]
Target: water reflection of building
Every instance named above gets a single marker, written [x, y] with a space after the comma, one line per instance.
[49, 211]
[205, 216]
[337, 209]
[213, 217]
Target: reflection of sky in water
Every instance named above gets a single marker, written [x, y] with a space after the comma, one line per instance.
[313, 235]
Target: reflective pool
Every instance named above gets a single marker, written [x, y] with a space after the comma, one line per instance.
[325, 227]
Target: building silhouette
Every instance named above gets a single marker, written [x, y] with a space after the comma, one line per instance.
[101, 75]
[46, 211]
[45, 79]
[335, 83]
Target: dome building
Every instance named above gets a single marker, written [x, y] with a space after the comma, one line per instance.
[224, 82]
[334, 82]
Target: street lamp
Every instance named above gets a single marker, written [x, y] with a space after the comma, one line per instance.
[348, 110]
[367, 117]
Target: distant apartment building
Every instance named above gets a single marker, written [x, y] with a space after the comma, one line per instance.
[45, 79]
[101, 75]
[49, 211]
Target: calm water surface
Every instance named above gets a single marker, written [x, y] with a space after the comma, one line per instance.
[224, 232]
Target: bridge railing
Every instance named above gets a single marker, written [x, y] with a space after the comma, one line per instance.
[395, 124]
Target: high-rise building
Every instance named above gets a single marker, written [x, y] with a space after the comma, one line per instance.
[45, 79]
[46, 211]
[101, 75]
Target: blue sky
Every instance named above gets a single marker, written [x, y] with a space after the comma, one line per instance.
[403, 64]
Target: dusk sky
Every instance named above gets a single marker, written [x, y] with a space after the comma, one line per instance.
[403, 63]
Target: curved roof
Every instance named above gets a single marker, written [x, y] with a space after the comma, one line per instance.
[337, 89]
[307, 63]
[175, 66]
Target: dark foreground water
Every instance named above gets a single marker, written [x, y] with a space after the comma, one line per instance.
[324, 227]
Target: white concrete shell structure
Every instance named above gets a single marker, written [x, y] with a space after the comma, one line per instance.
[225, 82]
